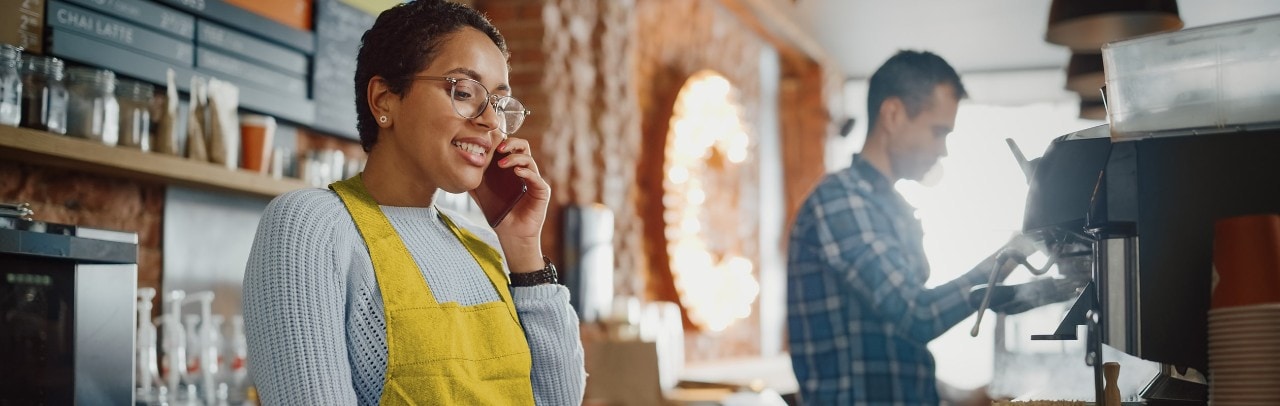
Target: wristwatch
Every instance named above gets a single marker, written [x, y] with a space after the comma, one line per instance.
[540, 277]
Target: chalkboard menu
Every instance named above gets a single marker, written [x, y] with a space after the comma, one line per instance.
[64, 16]
[338, 31]
[247, 21]
[151, 15]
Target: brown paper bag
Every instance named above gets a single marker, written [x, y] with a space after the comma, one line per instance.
[195, 122]
[623, 373]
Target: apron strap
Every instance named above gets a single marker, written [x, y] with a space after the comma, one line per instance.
[490, 260]
[399, 289]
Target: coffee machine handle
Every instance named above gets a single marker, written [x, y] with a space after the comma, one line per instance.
[1023, 163]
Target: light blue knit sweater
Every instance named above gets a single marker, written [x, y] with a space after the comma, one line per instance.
[314, 317]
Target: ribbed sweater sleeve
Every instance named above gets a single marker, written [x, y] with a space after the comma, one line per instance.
[294, 307]
[551, 326]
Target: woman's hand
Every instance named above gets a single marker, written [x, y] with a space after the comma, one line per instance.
[521, 231]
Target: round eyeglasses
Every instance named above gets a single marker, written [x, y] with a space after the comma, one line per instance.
[470, 98]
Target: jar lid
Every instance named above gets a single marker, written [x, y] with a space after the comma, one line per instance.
[47, 65]
[10, 52]
[94, 76]
[135, 89]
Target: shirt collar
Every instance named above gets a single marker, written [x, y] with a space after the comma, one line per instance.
[872, 179]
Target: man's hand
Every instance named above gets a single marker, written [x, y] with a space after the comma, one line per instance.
[1014, 253]
[1014, 299]
[1020, 246]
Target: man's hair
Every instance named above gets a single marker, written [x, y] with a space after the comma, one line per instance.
[910, 76]
[403, 40]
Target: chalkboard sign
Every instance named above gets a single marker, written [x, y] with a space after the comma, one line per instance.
[338, 31]
[260, 51]
[267, 78]
[249, 22]
[93, 51]
[143, 12]
[71, 18]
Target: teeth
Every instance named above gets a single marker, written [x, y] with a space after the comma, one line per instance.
[469, 147]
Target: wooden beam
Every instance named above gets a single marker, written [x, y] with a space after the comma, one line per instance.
[777, 21]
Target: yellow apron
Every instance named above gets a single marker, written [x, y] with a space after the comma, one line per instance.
[441, 354]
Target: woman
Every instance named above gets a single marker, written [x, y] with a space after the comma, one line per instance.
[367, 293]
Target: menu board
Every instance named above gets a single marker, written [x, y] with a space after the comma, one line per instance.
[247, 21]
[149, 14]
[260, 51]
[338, 31]
[67, 17]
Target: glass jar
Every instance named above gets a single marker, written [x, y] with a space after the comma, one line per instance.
[44, 95]
[135, 113]
[10, 85]
[93, 112]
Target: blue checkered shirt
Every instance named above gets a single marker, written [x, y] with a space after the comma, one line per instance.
[858, 312]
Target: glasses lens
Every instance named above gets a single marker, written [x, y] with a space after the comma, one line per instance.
[469, 98]
[512, 114]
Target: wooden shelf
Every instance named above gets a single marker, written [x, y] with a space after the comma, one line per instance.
[44, 148]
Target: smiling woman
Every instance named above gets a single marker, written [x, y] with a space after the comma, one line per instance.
[368, 293]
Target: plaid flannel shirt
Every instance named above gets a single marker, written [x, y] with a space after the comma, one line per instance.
[858, 313]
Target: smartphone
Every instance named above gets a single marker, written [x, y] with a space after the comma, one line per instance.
[499, 192]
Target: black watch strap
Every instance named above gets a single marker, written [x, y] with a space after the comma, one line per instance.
[542, 276]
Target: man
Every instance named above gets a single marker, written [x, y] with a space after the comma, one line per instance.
[858, 312]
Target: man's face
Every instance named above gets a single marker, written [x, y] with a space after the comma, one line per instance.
[920, 141]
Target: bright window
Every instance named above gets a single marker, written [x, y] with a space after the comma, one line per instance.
[975, 207]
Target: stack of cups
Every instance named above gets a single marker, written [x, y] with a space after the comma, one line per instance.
[1244, 317]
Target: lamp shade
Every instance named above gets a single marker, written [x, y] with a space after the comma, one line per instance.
[1093, 110]
[1085, 25]
[1085, 75]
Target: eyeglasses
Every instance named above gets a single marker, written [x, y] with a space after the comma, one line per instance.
[470, 98]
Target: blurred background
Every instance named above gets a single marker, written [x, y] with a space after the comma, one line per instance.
[680, 137]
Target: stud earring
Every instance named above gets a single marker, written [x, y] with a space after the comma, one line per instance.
[382, 119]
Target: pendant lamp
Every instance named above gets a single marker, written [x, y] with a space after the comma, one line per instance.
[1085, 25]
[1085, 75]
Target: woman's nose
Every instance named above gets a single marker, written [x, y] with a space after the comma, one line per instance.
[489, 117]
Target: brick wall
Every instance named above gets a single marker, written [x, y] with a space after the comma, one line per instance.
[602, 78]
[72, 197]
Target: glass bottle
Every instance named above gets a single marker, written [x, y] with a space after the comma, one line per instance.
[135, 113]
[93, 112]
[44, 95]
[10, 85]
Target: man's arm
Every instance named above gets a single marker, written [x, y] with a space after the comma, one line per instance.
[874, 263]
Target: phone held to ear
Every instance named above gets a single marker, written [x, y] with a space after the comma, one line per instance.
[499, 192]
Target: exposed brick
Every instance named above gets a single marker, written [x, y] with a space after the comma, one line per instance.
[500, 12]
[73, 197]
[528, 56]
[11, 178]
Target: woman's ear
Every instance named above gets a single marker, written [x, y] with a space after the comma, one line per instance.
[382, 102]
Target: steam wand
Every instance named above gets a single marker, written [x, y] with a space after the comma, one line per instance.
[991, 282]
[986, 298]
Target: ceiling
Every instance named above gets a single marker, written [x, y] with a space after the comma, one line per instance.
[973, 35]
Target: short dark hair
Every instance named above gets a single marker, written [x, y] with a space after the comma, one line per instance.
[910, 76]
[401, 42]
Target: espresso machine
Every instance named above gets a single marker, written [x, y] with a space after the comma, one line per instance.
[1140, 214]
[67, 297]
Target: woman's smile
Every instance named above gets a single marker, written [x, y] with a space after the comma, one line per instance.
[474, 150]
